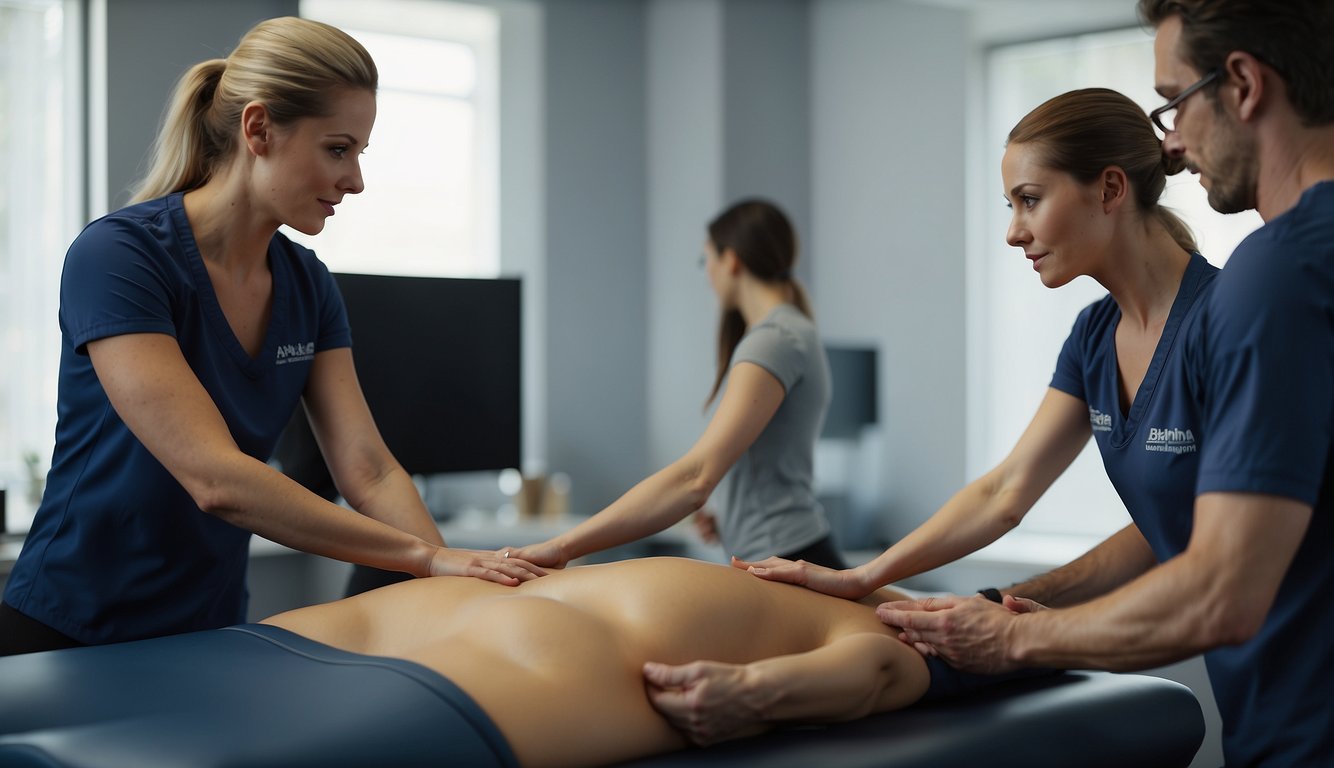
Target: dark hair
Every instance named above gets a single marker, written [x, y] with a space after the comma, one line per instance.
[763, 239]
[1083, 132]
[291, 65]
[1294, 37]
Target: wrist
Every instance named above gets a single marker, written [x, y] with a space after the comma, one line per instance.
[1017, 640]
[565, 548]
[864, 577]
[758, 697]
[425, 558]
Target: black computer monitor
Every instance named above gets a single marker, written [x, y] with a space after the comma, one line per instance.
[439, 360]
[854, 401]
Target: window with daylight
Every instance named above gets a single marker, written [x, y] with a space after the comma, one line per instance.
[41, 211]
[430, 206]
[1017, 324]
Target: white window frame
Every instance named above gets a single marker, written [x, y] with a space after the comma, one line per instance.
[476, 27]
[43, 220]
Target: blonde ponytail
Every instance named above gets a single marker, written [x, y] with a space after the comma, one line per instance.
[187, 146]
[293, 66]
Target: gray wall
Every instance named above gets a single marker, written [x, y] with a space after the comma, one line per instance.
[595, 232]
[794, 100]
[150, 44]
[729, 117]
[888, 115]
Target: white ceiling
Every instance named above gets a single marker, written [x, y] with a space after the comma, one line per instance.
[996, 21]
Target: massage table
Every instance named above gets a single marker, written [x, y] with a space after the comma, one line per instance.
[256, 695]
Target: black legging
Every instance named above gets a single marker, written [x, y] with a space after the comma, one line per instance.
[822, 552]
[20, 633]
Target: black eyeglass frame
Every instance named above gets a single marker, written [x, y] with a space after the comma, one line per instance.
[1157, 115]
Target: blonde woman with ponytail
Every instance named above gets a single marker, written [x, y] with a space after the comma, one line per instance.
[773, 378]
[192, 330]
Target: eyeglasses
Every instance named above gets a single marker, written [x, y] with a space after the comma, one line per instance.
[1165, 116]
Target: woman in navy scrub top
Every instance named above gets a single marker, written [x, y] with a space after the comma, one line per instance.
[192, 329]
[1083, 173]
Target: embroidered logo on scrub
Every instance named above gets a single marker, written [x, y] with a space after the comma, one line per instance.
[295, 353]
[1170, 440]
[1101, 422]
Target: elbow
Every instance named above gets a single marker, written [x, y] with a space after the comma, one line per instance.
[1233, 604]
[697, 483]
[1233, 624]
[219, 490]
[213, 497]
[697, 495]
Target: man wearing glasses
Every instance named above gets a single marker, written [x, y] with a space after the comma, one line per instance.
[1250, 89]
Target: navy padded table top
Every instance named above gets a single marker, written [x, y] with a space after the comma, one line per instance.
[252, 695]
[256, 695]
[1085, 719]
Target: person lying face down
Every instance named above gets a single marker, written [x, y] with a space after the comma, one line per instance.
[559, 663]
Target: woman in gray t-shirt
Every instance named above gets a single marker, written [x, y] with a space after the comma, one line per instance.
[762, 434]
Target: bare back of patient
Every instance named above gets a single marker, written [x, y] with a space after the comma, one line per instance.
[556, 662]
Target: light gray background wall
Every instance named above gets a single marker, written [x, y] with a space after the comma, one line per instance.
[887, 152]
[648, 118]
[150, 43]
[595, 266]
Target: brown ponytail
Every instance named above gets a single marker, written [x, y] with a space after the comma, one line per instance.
[1083, 132]
[763, 239]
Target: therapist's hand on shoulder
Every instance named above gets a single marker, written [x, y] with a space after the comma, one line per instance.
[485, 565]
[849, 584]
[969, 633]
[708, 701]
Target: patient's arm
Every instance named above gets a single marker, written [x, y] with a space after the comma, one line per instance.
[853, 676]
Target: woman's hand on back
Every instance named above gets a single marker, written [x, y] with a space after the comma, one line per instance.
[485, 565]
[849, 584]
[547, 554]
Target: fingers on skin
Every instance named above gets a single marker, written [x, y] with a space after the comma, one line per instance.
[666, 675]
[492, 574]
[689, 679]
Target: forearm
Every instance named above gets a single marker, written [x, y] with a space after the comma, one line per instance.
[392, 498]
[1116, 561]
[973, 518]
[1217, 592]
[249, 494]
[654, 504]
[851, 677]
[1168, 614]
